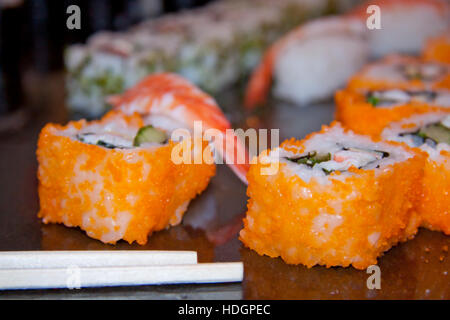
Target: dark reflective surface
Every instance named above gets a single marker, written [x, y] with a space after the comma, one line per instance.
[417, 269]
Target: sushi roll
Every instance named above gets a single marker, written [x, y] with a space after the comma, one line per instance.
[338, 199]
[438, 48]
[371, 111]
[405, 24]
[215, 46]
[169, 96]
[114, 178]
[401, 72]
[429, 133]
[310, 62]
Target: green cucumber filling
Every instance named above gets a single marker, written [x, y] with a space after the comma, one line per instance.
[387, 98]
[149, 134]
[431, 135]
[116, 140]
[312, 158]
[340, 160]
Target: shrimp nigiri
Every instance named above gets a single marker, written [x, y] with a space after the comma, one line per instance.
[310, 62]
[172, 96]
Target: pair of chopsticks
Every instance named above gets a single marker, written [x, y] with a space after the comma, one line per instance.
[77, 269]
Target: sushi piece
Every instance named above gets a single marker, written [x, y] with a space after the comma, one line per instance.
[214, 46]
[401, 72]
[371, 111]
[405, 24]
[173, 97]
[310, 62]
[114, 178]
[429, 133]
[338, 199]
[438, 48]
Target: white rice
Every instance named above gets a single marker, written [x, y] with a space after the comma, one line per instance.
[397, 97]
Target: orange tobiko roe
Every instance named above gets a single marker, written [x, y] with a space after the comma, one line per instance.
[349, 221]
[113, 194]
[438, 49]
[355, 113]
[434, 208]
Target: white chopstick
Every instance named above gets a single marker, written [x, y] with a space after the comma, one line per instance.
[65, 259]
[120, 276]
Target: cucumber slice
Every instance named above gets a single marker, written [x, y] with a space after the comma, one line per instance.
[312, 158]
[149, 134]
[373, 100]
[436, 132]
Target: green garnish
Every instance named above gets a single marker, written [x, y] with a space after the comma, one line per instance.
[373, 100]
[312, 158]
[149, 134]
[436, 132]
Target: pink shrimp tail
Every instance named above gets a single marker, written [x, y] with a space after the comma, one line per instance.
[260, 82]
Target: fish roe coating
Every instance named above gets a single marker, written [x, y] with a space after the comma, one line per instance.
[438, 49]
[435, 205]
[357, 114]
[113, 194]
[349, 221]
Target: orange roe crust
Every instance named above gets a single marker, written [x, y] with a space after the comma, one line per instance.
[77, 178]
[437, 49]
[286, 215]
[435, 204]
[434, 201]
[355, 113]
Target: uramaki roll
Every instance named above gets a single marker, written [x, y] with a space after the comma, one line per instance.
[114, 178]
[401, 72]
[438, 49]
[429, 133]
[371, 111]
[338, 199]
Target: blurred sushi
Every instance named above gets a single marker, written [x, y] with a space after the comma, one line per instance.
[429, 133]
[405, 24]
[401, 72]
[214, 46]
[369, 112]
[114, 178]
[338, 199]
[438, 48]
[310, 63]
